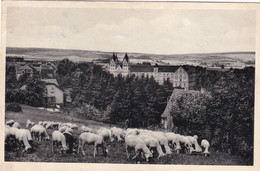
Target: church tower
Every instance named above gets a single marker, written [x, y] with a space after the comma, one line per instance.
[113, 62]
[126, 63]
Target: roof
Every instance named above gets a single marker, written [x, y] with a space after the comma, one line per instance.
[126, 58]
[114, 57]
[141, 68]
[50, 81]
[167, 68]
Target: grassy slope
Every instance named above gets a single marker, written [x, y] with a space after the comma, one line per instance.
[117, 153]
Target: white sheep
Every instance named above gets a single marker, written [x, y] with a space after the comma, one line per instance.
[90, 138]
[23, 136]
[57, 138]
[16, 125]
[187, 144]
[194, 141]
[132, 141]
[10, 122]
[39, 133]
[131, 131]
[117, 133]
[86, 129]
[152, 142]
[205, 144]
[174, 140]
[63, 128]
[29, 123]
[105, 134]
[162, 140]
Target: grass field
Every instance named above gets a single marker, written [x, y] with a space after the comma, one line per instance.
[42, 150]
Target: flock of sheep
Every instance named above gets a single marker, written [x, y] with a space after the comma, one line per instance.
[145, 143]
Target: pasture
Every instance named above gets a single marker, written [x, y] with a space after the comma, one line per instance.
[42, 150]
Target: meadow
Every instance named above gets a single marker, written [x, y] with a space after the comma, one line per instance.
[42, 150]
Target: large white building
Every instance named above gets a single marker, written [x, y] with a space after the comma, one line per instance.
[179, 76]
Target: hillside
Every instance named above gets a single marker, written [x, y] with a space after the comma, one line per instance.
[84, 55]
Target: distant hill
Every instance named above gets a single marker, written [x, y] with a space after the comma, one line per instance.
[84, 55]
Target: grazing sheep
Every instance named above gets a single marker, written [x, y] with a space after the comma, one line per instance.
[29, 123]
[10, 122]
[194, 141]
[117, 133]
[57, 138]
[92, 139]
[105, 134]
[39, 133]
[86, 129]
[152, 142]
[23, 136]
[132, 141]
[162, 140]
[205, 144]
[184, 140]
[63, 128]
[132, 132]
[16, 125]
[174, 140]
[70, 140]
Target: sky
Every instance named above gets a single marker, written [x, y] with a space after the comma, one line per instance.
[157, 31]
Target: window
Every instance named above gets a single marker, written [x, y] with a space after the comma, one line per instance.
[52, 89]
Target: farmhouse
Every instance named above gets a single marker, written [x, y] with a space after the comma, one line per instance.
[54, 93]
[180, 76]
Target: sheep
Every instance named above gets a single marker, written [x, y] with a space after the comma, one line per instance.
[162, 140]
[194, 141]
[90, 138]
[117, 133]
[16, 125]
[29, 123]
[57, 138]
[187, 144]
[105, 134]
[86, 129]
[70, 140]
[132, 132]
[23, 136]
[205, 144]
[152, 142]
[74, 126]
[132, 141]
[10, 122]
[63, 128]
[174, 140]
[39, 132]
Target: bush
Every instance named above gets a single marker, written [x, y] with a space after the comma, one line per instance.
[14, 107]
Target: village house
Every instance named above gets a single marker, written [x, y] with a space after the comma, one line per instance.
[180, 76]
[54, 93]
[24, 69]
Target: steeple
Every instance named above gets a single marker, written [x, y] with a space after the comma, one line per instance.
[126, 58]
[114, 57]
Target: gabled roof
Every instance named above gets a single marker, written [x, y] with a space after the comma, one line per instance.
[50, 81]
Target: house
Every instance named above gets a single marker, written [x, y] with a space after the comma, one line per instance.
[166, 117]
[24, 69]
[54, 93]
[48, 71]
[180, 76]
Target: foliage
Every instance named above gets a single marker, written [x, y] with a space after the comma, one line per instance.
[13, 107]
[227, 118]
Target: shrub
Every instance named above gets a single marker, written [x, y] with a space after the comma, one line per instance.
[14, 107]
